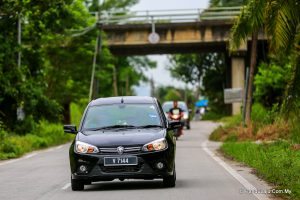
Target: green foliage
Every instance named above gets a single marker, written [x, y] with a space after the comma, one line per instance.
[170, 93]
[262, 116]
[276, 162]
[77, 110]
[212, 116]
[280, 19]
[224, 131]
[43, 135]
[207, 68]
[173, 95]
[270, 83]
[224, 3]
[295, 133]
[58, 41]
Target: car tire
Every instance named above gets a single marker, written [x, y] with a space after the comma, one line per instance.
[170, 181]
[188, 127]
[77, 185]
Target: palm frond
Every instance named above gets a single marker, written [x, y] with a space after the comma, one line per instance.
[283, 18]
[251, 19]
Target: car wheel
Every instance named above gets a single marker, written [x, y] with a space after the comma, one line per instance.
[77, 185]
[170, 181]
[188, 127]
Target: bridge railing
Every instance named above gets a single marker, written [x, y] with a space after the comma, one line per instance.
[168, 16]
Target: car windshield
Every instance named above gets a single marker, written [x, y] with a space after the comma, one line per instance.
[121, 115]
[168, 105]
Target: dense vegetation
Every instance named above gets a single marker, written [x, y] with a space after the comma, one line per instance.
[57, 49]
[276, 162]
[207, 72]
[273, 119]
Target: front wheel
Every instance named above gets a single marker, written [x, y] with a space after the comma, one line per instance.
[170, 181]
[77, 185]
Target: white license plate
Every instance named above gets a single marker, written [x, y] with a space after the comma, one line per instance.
[117, 161]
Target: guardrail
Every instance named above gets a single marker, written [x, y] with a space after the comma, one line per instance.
[167, 16]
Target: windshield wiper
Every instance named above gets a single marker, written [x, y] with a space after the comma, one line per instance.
[150, 126]
[112, 127]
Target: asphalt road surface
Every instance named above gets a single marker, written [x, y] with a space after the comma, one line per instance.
[201, 174]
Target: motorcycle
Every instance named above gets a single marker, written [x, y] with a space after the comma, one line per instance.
[176, 117]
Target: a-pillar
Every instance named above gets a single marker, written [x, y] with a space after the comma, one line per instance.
[237, 79]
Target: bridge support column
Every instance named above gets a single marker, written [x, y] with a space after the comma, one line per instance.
[237, 79]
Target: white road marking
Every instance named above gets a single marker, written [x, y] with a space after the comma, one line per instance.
[248, 186]
[66, 186]
[18, 159]
[59, 147]
[30, 155]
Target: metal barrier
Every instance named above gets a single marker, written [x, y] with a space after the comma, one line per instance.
[168, 16]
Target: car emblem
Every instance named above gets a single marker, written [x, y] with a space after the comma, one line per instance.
[120, 150]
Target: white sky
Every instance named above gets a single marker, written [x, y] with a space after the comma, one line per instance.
[161, 75]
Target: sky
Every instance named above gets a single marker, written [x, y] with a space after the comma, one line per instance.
[161, 75]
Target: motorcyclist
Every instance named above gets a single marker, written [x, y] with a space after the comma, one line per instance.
[176, 113]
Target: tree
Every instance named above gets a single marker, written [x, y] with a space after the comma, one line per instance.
[217, 3]
[270, 83]
[25, 87]
[190, 68]
[207, 72]
[280, 20]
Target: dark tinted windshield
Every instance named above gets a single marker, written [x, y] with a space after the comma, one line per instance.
[121, 114]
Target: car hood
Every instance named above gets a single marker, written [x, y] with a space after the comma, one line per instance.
[110, 138]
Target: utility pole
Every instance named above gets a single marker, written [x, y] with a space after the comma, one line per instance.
[152, 87]
[19, 39]
[97, 50]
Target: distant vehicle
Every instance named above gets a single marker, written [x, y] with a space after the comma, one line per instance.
[181, 104]
[123, 138]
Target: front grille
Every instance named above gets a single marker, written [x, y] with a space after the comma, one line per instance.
[116, 169]
[113, 150]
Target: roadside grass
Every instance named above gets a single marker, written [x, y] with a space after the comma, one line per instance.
[212, 116]
[77, 110]
[277, 162]
[44, 135]
[266, 125]
[276, 157]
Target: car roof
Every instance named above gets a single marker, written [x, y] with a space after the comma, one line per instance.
[125, 99]
[171, 102]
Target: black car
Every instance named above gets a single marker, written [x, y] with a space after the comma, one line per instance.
[123, 138]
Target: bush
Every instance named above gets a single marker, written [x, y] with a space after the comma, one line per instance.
[212, 116]
[262, 116]
[44, 135]
[270, 83]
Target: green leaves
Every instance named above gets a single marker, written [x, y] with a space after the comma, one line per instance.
[270, 83]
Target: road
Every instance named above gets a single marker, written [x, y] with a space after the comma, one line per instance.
[201, 174]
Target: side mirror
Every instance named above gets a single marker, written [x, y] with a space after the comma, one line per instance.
[70, 129]
[174, 124]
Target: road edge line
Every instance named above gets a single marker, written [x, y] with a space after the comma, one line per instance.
[30, 154]
[66, 186]
[233, 173]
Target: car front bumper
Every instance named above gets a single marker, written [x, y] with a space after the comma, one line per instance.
[146, 168]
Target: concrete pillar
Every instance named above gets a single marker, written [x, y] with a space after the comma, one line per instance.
[237, 79]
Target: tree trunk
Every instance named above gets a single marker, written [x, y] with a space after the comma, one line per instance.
[127, 85]
[67, 113]
[251, 77]
[115, 84]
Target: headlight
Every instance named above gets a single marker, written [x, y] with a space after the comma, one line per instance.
[185, 116]
[156, 145]
[81, 147]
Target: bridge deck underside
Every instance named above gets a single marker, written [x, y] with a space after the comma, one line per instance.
[126, 50]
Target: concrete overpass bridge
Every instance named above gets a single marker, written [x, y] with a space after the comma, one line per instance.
[179, 31]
